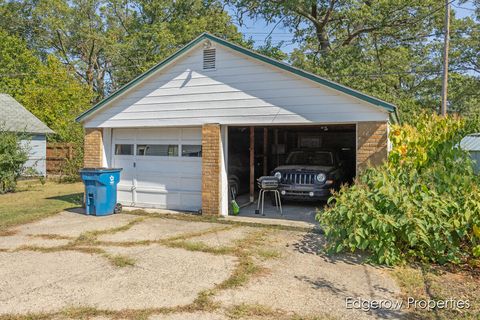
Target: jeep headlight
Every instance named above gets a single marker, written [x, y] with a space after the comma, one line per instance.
[278, 175]
[321, 177]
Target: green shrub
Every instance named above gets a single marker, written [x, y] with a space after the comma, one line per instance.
[13, 155]
[423, 204]
[69, 171]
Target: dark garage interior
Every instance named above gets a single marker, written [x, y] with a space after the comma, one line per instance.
[282, 147]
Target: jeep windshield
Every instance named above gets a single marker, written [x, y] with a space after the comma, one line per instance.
[310, 158]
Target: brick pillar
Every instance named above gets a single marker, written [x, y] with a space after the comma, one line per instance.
[211, 168]
[93, 148]
[371, 143]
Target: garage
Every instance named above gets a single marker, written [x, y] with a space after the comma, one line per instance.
[281, 150]
[215, 114]
[162, 167]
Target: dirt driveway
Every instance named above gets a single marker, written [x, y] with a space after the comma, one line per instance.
[130, 266]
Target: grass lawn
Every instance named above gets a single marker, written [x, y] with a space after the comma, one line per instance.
[35, 201]
[430, 283]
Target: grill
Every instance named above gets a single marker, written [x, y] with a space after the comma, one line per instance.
[267, 182]
[299, 178]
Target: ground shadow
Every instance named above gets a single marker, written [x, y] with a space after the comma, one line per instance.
[73, 198]
[315, 243]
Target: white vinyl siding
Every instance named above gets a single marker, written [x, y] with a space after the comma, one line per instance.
[37, 154]
[240, 90]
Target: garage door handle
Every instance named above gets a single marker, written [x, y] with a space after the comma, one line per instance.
[134, 164]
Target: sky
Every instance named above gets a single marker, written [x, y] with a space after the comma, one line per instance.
[258, 30]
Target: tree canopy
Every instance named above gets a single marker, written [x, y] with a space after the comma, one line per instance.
[389, 48]
[58, 57]
[47, 88]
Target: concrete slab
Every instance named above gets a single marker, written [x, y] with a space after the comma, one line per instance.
[13, 242]
[161, 277]
[73, 224]
[292, 211]
[224, 238]
[190, 316]
[268, 221]
[308, 283]
[158, 228]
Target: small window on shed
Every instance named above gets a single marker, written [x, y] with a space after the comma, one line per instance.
[209, 59]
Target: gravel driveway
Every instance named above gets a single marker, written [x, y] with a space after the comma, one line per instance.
[157, 267]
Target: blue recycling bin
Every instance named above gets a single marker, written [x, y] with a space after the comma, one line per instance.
[100, 190]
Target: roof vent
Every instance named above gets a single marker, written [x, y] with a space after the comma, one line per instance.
[209, 59]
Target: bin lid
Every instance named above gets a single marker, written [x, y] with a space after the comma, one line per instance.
[100, 170]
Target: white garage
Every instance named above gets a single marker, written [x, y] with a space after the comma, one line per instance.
[162, 167]
[169, 127]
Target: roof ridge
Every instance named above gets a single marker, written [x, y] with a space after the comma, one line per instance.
[279, 64]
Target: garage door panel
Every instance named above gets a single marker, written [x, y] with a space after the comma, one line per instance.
[159, 181]
[192, 184]
[169, 166]
[192, 134]
[160, 133]
[154, 199]
[121, 134]
[172, 183]
[189, 201]
[124, 195]
[169, 200]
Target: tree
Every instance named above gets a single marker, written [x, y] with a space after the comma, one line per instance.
[390, 49]
[13, 156]
[47, 89]
[109, 42]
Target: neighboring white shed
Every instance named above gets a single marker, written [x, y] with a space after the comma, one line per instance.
[18, 119]
[471, 143]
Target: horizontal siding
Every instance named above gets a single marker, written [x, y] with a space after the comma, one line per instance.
[476, 159]
[240, 91]
[37, 147]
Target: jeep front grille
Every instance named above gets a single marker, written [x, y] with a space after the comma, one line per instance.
[299, 178]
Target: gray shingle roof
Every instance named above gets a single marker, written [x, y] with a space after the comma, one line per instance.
[471, 142]
[16, 118]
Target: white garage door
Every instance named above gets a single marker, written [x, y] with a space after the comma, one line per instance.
[162, 167]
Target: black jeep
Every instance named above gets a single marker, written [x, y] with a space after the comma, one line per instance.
[310, 174]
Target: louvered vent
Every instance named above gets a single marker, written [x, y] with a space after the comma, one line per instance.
[208, 59]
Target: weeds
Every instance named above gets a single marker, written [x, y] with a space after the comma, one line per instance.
[8, 232]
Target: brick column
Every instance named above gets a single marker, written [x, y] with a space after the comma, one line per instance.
[371, 144]
[93, 148]
[211, 168]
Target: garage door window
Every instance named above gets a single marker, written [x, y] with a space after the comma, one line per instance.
[163, 150]
[191, 150]
[124, 149]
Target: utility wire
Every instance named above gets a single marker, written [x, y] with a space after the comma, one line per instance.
[16, 75]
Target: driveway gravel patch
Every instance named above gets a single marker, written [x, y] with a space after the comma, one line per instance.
[224, 238]
[307, 283]
[282, 272]
[73, 224]
[161, 277]
[190, 316]
[16, 241]
[156, 229]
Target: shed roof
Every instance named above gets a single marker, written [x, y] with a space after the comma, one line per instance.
[471, 142]
[16, 118]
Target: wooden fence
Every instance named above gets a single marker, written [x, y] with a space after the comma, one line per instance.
[57, 154]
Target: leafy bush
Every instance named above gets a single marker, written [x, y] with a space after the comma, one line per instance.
[423, 204]
[13, 156]
[70, 167]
